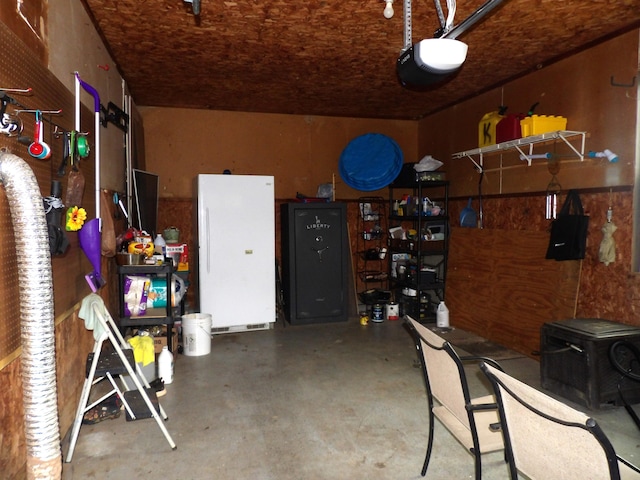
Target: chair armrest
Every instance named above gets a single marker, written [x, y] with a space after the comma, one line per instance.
[490, 361]
[482, 406]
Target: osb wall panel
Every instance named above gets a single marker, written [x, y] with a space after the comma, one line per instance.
[301, 152]
[9, 292]
[610, 292]
[578, 88]
[498, 286]
[75, 343]
[179, 213]
[13, 454]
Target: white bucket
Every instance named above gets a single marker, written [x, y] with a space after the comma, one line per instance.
[196, 334]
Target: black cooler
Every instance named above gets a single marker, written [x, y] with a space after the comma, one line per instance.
[576, 364]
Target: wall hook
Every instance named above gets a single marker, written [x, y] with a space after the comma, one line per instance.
[48, 112]
[58, 131]
[21, 91]
[626, 85]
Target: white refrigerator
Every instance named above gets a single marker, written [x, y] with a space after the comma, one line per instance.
[236, 251]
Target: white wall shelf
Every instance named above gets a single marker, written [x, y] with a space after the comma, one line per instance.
[477, 155]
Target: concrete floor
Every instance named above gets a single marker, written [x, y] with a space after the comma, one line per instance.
[325, 402]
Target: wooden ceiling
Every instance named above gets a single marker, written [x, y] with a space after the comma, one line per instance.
[336, 58]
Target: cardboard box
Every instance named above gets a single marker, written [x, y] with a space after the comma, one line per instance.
[161, 341]
[179, 252]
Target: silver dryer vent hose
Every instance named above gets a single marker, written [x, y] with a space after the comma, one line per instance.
[38, 361]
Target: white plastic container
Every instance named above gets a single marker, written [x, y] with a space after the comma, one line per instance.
[165, 365]
[159, 245]
[196, 334]
[149, 372]
[442, 316]
[393, 311]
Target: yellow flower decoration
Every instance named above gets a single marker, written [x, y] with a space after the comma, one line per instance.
[75, 219]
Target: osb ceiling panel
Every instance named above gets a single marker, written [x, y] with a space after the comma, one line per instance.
[337, 58]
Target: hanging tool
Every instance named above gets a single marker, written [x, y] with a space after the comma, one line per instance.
[38, 148]
[96, 109]
[553, 188]
[53, 208]
[10, 124]
[90, 236]
[66, 139]
[75, 184]
[607, 250]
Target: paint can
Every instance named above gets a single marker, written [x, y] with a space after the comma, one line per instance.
[393, 311]
[376, 313]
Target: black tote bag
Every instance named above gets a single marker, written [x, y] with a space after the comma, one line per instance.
[568, 240]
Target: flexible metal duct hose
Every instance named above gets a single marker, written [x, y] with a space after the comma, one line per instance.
[42, 429]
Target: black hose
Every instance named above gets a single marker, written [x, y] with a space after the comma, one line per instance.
[614, 358]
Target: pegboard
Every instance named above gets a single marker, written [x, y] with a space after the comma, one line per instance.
[9, 292]
[21, 68]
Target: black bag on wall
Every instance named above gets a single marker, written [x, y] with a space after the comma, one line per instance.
[568, 240]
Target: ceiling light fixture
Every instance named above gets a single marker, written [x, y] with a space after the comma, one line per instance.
[388, 9]
[436, 59]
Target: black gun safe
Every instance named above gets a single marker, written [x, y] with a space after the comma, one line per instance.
[577, 358]
[315, 262]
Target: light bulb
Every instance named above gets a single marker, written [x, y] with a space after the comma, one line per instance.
[388, 9]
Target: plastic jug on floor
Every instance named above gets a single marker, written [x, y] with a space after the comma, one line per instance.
[165, 365]
[442, 316]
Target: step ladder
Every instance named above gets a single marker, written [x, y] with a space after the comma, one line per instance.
[105, 364]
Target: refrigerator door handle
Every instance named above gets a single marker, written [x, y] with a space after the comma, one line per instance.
[208, 241]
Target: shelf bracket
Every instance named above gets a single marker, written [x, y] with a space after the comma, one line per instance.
[479, 166]
[580, 153]
[524, 156]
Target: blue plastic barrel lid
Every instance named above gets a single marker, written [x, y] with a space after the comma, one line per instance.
[370, 162]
